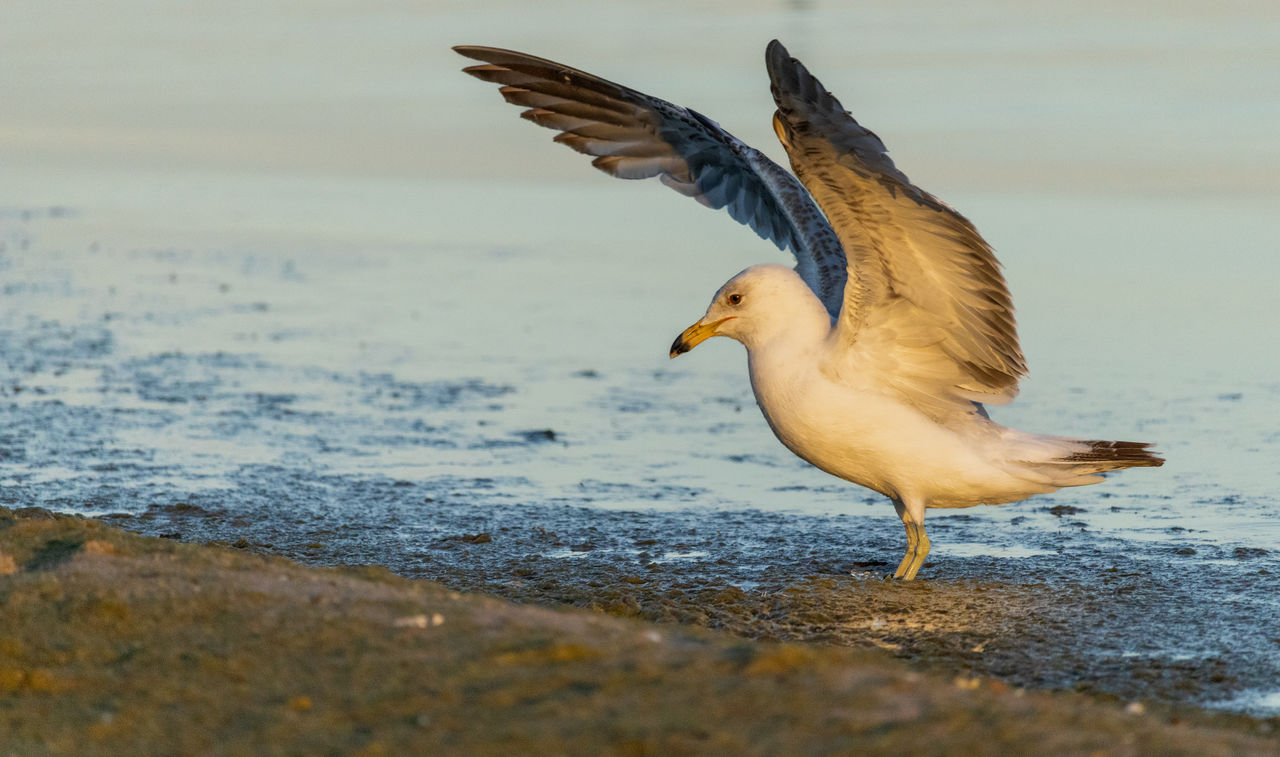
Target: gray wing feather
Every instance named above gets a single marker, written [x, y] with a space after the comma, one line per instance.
[634, 136]
[925, 299]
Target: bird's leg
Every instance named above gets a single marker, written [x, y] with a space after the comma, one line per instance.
[912, 515]
[917, 553]
[912, 540]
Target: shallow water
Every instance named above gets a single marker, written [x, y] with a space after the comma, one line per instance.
[288, 277]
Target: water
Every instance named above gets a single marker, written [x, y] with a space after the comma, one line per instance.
[291, 270]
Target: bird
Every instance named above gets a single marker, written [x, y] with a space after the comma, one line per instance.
[875, 357]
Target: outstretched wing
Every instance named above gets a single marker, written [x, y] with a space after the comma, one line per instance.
[925, 306]
[635, 136]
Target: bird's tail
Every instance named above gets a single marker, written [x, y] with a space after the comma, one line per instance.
[1061, 461]
[1101, 457]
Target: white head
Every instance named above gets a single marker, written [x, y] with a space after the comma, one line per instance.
[754, 307]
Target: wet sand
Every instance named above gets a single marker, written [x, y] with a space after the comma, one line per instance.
[123, 644]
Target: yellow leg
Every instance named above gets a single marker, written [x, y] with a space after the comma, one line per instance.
[911, 550]
[911, 511]
[917, 552]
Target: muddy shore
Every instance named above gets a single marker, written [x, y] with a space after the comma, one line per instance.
[1043, 609]
[117, 643]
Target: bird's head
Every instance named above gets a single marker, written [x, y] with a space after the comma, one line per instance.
[751, 307]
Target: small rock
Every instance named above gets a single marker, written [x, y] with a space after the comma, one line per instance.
[539, 435]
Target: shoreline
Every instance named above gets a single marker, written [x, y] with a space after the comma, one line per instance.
[118, 638]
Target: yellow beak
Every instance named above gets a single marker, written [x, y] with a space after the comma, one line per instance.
[695, 335]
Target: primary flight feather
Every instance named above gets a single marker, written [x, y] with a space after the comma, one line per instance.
[873, 358]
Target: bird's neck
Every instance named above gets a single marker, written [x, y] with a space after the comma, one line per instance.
[799, 331]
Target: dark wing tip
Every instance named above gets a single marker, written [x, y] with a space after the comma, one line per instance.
[776, 58]
[482, 54]
[474, 52]
[500, 56]
[787, 76]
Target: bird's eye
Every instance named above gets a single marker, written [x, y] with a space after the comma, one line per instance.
[735, 299]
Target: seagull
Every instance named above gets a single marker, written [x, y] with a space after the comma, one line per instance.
[874, 358]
